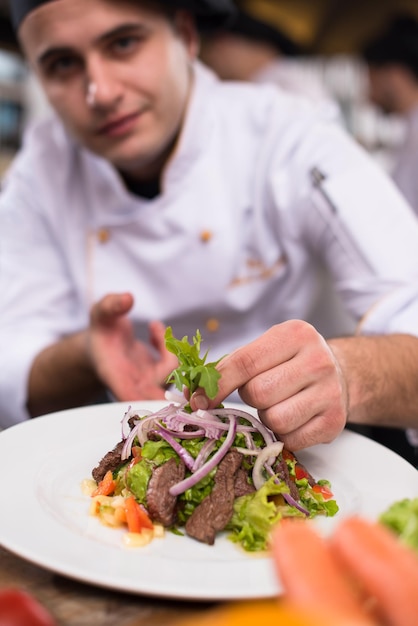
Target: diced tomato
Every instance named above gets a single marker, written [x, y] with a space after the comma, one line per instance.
[120, 516]
[133, 461]
[19, 608]
[287, 455]
[106, 486]
[324, 491]
[137, 452]
[136, 517]
[136, 456]
[300, 472]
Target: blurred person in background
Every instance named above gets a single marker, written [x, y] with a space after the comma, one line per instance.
[392, 63]
[156, 194]
[254, 46]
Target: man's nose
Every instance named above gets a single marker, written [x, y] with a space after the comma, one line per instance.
[103, 90]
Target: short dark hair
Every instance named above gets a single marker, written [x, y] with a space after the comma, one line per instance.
[398, 43]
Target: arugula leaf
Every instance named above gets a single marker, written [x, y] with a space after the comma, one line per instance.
[192, 371]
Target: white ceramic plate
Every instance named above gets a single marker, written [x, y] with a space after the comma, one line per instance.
[44, 515]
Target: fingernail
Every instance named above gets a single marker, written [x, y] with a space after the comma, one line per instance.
[200, 401]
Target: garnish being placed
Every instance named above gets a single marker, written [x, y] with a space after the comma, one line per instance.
[203, 472]
[193, 371]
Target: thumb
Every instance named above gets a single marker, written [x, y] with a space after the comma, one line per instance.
[233, 376]
[167, 360]
[110, 306]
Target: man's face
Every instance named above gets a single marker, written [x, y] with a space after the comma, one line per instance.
[118, 74]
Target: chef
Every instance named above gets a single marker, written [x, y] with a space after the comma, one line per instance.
[392, 62]
[156, 195]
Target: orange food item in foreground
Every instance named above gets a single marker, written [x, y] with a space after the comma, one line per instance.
[362, 562]
[266, 613]
[310, 573]
[329, 582]
[385, 568]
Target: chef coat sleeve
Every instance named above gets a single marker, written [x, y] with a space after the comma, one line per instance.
[37, 302]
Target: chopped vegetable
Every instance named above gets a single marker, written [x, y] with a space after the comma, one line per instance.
[325, 491]
[136, 517]
[106, 486]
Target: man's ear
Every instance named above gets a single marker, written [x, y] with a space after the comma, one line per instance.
[185, 26]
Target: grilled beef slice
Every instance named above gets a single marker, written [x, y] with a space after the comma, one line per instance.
[110, 461]
[242, 487]
[215, 511]
[161, 504]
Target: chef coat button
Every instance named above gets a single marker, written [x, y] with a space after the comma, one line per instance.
[205, 236]
[212, 325]
[103, 235]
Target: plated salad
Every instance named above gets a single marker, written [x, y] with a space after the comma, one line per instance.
[204, 472]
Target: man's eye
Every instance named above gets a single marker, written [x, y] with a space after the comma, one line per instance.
[62, 66]
[124, 45]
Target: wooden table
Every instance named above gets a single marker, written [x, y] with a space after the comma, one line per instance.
[72, 603]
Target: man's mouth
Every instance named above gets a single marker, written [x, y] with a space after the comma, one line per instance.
[119, 126]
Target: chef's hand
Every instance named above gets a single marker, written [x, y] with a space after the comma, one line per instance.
[129, 368]
[292, 377]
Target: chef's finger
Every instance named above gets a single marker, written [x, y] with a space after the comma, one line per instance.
[167, 361]
[320, 428]
[110, 306]
[279, 344]
[268, 365]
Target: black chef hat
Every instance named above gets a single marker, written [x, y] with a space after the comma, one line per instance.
[397, 44]
[209, 14]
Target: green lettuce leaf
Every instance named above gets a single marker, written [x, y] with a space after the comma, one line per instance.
[137, 480]
[192, 371]
[402, 518]
[255, 514]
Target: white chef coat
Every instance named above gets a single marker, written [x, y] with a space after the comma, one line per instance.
[229, 246]
[405, 170]
[296, 77]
